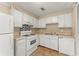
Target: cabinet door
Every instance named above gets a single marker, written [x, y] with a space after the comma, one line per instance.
[44, 41]
[26, 19]
[17, 15]
[68, 20]
[55, 20]
[77, 45]
[20, 48]
[4, 23]
[54, 42]
[35, 23]
[61, 20]
[42, 23]
[37, 39]
[49, 20]
[6, 45]
[31, 20]
[66, 46]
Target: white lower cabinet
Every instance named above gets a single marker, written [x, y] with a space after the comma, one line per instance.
[44, 41]
[49, 41]
[77, 45]
[54, 42]
[66, 46]
[38, 40]
[20, 48]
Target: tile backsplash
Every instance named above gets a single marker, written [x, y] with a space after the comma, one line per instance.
[53, 28]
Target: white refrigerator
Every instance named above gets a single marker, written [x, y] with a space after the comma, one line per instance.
[6, 35]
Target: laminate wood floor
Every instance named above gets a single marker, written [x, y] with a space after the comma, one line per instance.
[43, 51]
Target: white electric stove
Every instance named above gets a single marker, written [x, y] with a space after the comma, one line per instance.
[30, 42]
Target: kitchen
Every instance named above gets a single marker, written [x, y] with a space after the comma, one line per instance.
[39, 29]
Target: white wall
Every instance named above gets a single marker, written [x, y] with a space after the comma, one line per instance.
[77, 33]
[76, 28]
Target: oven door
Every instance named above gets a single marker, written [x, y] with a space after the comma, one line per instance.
[31, 43]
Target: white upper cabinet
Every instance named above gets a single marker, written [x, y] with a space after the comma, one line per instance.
[55, 20]
[42, 23]
[17, 16]
[68, 20]
[27, 19]
[35, 23]
[65, 20]
[61, 20]
[52, 19]
[49, 20]
[31, 20]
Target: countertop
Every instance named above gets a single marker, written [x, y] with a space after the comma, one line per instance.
[21, 37]
[60, 36]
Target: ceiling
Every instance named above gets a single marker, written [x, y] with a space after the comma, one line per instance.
[50, 7]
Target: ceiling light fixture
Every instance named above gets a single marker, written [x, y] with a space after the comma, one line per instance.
[43, 9]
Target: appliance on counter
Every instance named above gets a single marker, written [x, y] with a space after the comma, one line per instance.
[6, 35]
